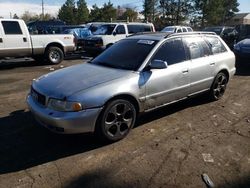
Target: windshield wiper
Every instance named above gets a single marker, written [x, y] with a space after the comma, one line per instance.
[105, 64]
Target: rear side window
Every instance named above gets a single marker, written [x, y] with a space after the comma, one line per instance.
[134, 29]
[197, 47]
[171, 51]
[189, 29]
[139, 28]
[216, 45]
[184, 29]
[11, 28]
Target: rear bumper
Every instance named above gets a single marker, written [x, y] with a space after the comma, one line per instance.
[64, 122]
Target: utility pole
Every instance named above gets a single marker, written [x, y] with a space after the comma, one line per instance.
[42, 10]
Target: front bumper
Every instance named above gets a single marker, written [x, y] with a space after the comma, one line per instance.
[64, 122]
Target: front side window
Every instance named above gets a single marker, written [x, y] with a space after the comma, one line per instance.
[106, 29]
[216, 45]
[120, 30]
[11, 28]
[172, 51]
[197, 47]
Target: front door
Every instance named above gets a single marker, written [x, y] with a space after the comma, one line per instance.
[172, 83]
[16, 41]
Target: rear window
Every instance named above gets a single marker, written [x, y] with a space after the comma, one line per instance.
[216, 45]
[11, 28]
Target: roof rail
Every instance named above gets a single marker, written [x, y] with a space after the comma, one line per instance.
[192, 33]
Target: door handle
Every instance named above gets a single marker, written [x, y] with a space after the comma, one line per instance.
[24, 39]
[1, 40]
[212, 64]
[185, 71]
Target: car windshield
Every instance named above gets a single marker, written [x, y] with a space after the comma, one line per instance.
[168, 29]
[79, 32]
[104, 29]
[217, 30]
[127, 54]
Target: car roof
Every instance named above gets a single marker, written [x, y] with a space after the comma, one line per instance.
[161, 35]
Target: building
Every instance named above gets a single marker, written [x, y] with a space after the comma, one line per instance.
[238, 19]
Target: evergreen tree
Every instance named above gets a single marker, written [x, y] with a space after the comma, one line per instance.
[149, 9]
[214, 12]
[15, 16]
[129, 14]
[82, 12]
[67, 12]
[174, 12]
[95, 14]
[230, 7]
[108, 12]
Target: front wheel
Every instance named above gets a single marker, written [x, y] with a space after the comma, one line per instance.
[219, 86]
[116, 120]
[54, 55]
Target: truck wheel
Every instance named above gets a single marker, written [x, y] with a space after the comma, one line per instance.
[54, 55]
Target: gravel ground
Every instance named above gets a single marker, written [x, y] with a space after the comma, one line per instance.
[170, 147]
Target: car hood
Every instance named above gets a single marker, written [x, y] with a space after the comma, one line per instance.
[67, 81]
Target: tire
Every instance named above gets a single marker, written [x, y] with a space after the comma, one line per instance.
[116, 120]
[54, 55]
[219, 86]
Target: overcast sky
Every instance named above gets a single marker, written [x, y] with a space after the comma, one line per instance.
[34, 6]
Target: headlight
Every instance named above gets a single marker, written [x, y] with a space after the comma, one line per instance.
[64, 106]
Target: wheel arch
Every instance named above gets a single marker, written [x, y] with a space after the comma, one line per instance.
[128, 97]
[226, 72]
[55, 44]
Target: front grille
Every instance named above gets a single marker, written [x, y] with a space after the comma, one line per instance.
[90, 43]
[41, 99]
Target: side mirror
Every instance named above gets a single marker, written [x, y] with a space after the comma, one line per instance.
[114, 33]
[158, 64]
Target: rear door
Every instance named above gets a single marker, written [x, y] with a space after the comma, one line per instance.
[172, 83]
[202, 64]
[16, 40]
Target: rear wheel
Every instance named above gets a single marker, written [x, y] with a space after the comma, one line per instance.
[219, 86]
[54, 55]
[116, 120]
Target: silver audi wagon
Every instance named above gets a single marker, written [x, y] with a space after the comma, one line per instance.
[137, 74]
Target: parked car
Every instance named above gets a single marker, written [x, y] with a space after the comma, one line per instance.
[15, 41]
[228, 34]
[152, 70]
[41, 27]
[177, 29]
[242, 32]
[106, 34]
[80, 35]
[242, 49]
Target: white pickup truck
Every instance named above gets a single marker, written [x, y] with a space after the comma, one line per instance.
[15, 41]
